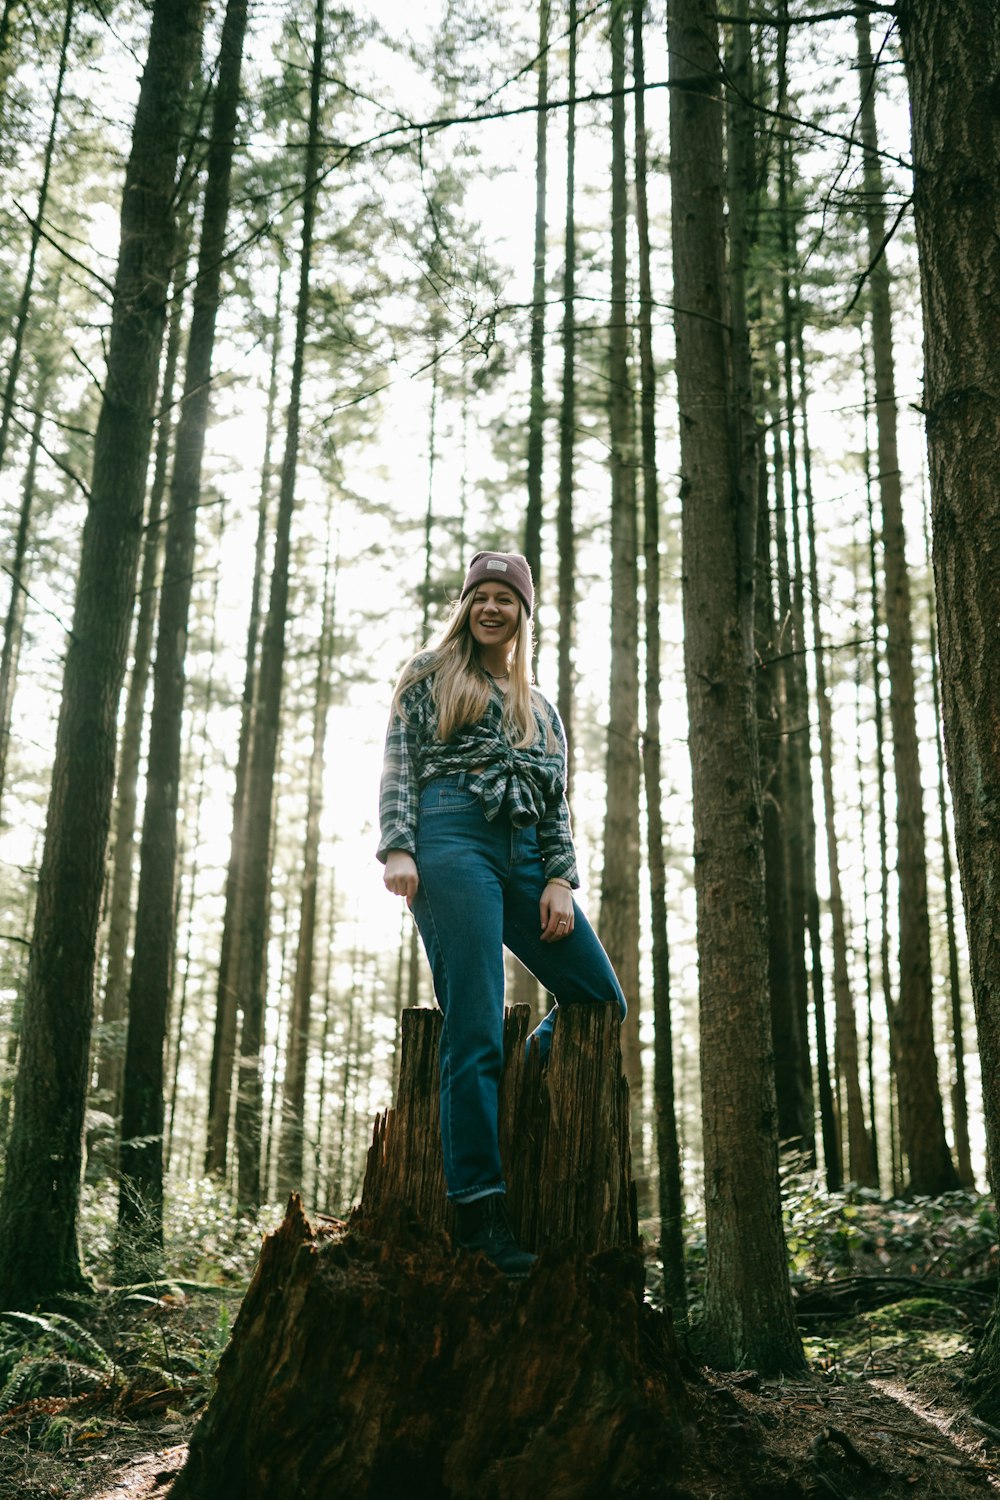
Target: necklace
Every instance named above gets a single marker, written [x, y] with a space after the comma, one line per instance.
[497, 676]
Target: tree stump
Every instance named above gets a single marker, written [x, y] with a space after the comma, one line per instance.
[380, 1362]
[564, 1133]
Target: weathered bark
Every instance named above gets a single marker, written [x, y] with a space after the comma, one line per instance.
[564, 1132]
[668, 1153]
[140, 1202]
[921, 1118]
[748, 1310]
[567, 426]
[390, 1364]
[619, 921]
[536, 337]
[39, 1208]
[264, 748]
[382, 1364]
[229, 986]
[953, 61]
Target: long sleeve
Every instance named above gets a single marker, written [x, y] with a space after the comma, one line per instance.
[399, 794]
[555, 834]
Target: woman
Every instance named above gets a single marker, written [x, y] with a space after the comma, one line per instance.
[475, 835]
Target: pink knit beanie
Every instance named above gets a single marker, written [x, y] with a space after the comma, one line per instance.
[502, 567]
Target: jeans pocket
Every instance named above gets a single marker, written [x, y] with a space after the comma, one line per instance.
[439, 797]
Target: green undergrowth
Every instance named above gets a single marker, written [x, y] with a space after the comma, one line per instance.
[85, 1382]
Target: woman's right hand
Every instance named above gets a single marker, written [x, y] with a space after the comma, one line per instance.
[401, 876]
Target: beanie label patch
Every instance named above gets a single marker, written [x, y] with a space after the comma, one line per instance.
[495, 563]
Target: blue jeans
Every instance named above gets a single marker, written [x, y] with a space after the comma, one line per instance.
[480, 887]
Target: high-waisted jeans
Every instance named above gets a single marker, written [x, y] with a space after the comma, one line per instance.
[480, 887]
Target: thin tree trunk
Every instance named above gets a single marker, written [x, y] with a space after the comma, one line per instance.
[959, 1093]
[27, 290]
[260, 778]
[861, 1166]
[39, 1207]
[536, 341]
[801, 744]
[14, 621]
[620, 877]
[189, 923]
[748, 1311]
[111, 1051]
[792, 1062]
[567, 424]
[140, 1201]
[290, 1150]
[229, 988]
[921, 1117]
[668, 1154]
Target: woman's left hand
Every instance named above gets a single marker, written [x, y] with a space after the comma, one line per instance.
[557, 913]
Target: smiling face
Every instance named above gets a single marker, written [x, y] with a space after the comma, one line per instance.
[494, 617]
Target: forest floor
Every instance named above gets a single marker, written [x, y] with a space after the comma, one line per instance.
[98, 1398]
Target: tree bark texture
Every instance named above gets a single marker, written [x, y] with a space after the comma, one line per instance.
[267, 717]
[140, 1204]
[564, 1132]
[114, 1010]
[668, 1152]
[228, 988]
[921, 1118]
[39, 1208]
[619, 922]
[748, 1311]
[382, 1364]
[953, 61]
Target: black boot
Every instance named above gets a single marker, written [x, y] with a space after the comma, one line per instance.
[483, 1225]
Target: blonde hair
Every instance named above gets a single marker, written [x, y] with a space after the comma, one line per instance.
[461, 688]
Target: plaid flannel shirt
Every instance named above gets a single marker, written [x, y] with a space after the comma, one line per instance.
[529, 785]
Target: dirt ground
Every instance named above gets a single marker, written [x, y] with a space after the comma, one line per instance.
[749, 1440]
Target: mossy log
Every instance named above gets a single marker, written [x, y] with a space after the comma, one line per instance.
[381, 1362]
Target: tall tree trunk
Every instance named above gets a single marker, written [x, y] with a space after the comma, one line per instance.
[229, 988]
[861, 1166]
[953, 60]
[959, 1092]
[798, 675]
[290, 1150]
[264, 750]
[24, 306]
[668, 1154]
[187, 957]
[536, 405]
[111, 1051]
[880, 768]
[567, 424]
[921, 1117]
[748, 1311]
[792, 1064]
[140, 1201]
[14, 619]
[39, 1207]
[620, 877]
